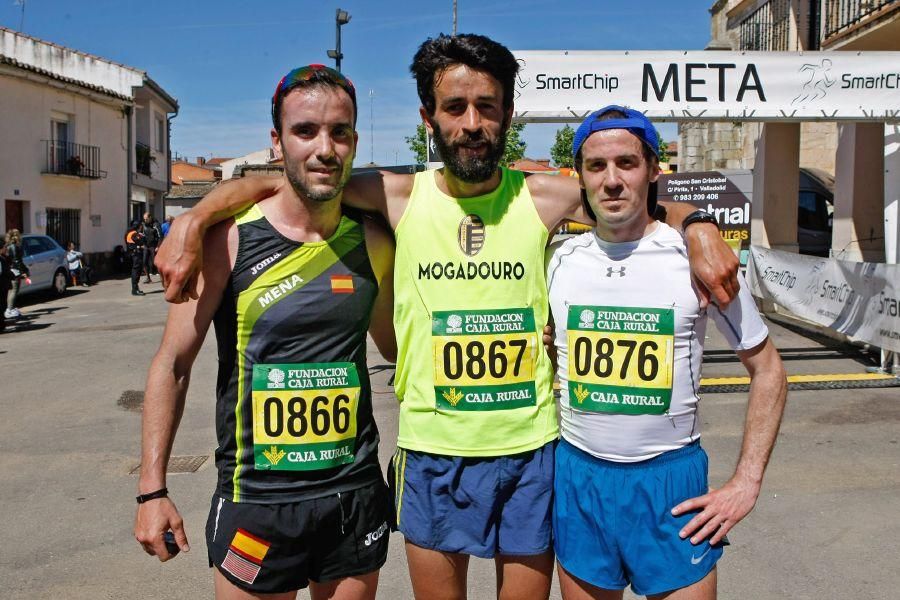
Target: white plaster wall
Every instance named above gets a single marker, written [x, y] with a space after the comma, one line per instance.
[69, 63]
[260, 157]
[25, 110]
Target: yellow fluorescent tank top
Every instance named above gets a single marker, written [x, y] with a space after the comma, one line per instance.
[470, 303]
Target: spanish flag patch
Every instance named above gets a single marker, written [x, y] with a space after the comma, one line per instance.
[342, 284]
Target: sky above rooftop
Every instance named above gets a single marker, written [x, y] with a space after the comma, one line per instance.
[221, 60]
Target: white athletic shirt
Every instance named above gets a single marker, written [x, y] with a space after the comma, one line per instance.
[633, 319]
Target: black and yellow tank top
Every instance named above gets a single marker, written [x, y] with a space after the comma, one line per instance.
[294, 411]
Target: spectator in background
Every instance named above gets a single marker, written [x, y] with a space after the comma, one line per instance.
[134, 245]
[73, 258]
[164, 228]
[17, 269]
[152, 236]
[6, 278]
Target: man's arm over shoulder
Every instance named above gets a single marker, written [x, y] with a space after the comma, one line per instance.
[380, 245]
[713, 263]
[166, 389]
[382, 192]
[180, 256]
[557, 200]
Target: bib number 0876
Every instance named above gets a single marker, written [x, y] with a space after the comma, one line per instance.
[599, 357]
[474, 360]
[303, 416]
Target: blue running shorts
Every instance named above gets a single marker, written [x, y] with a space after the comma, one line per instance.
[482, 506]
[612, 522]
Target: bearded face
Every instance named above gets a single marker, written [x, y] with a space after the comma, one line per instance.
[473, 157]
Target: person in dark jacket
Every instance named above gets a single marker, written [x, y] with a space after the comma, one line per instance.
[134, 244]
[152, 237]
[6, 279]
[19, 271]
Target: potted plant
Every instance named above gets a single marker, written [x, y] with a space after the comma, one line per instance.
[74, 165]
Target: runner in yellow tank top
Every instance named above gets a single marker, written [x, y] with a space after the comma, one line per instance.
[489, 495]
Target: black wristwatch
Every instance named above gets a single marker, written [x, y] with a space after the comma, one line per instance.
[699, 216]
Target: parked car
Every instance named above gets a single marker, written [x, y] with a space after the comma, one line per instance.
[814, 212]
[46, 262]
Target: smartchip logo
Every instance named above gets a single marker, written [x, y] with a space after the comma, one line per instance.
[586, 80]
[471, 235]
[817, 78]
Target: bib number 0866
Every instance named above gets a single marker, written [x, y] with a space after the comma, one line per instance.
[474, 360]
[302, 416]
[599, 358]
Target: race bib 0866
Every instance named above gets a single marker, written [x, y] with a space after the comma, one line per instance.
[484, 359]
[621, 359]
[304, 415]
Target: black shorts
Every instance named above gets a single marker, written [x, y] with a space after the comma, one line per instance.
[270, 548]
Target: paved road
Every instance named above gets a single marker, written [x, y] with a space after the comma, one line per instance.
[826, 525]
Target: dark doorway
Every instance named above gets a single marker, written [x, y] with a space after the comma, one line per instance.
[15, 217]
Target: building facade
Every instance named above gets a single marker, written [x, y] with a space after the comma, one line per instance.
[861, 156]
[87, 144]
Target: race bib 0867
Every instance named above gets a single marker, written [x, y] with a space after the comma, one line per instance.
[304, 415]
[484, 359]
[621, 359]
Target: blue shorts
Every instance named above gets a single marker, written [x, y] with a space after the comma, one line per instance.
[480, 506]
[612, 522]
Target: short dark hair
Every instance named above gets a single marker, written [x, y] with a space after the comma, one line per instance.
[649, 156]
[474, 51]
[308, 77]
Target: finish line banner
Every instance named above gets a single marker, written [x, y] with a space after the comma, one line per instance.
[567, 85]
[860, 300]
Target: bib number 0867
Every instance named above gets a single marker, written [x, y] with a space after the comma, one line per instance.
[599, 357]
[474, 360]
[302, 416]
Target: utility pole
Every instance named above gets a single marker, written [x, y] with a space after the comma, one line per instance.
[22, 16]
[454, 17]
[341, 17]
[372, 126]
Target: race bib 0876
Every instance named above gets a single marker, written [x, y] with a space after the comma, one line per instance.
[621, 359]
[484, 359]
[304, 415]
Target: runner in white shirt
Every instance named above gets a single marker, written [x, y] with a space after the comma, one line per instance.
[631, 477]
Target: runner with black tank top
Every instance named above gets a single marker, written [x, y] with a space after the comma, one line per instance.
[292, 286]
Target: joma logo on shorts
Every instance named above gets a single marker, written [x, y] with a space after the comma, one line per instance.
[374, 536]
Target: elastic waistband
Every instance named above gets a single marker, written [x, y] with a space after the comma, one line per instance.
[663, 459]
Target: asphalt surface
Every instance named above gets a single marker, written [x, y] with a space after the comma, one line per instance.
[827, 523]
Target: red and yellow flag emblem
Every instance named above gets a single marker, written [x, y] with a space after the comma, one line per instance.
[249, 546]
[342, 284]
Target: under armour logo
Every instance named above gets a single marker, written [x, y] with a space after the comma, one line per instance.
[620, 271]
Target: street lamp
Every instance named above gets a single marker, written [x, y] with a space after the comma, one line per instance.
[372, 125]
[341, 17]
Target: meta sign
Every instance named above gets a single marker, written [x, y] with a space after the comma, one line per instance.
[555, 86]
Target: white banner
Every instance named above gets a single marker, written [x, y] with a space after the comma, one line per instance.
[568, 85]
[860, 300]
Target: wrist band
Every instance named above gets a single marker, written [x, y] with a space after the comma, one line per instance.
[160, 493]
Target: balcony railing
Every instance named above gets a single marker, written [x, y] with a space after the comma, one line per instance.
[143, 158]
[767, 28]
[69, 158]
[841, 15]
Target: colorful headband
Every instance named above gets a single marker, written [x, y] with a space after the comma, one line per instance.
[319, 73]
